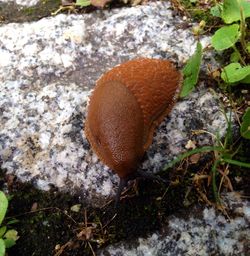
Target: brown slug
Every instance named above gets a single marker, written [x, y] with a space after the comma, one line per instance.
[128, 102]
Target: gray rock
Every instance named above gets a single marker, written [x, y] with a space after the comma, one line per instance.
[47, 69]
[197, 232]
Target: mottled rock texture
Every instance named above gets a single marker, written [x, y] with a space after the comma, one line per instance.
[198, 232]
[47, 69]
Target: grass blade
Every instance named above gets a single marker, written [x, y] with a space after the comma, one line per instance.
[191, 152]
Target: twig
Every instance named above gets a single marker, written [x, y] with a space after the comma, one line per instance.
[40, 210]
[91, 248]
[69, 243]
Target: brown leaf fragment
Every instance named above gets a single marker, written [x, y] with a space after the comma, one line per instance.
[194, 159]
[99, 3]
[85, 234]
[34, 207]
[67, 2]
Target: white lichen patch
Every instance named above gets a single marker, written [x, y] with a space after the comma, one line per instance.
[209, 234]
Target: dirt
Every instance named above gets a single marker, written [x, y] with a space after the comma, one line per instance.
[46, 221]
[47, 225]
[10, 12]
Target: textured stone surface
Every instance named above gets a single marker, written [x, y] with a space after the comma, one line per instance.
[203, 233]
[22, 2]
[47, 69]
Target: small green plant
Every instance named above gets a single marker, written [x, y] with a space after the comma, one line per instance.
[245, 126]
[83, 3]
[232, 37]
[223, 155]
[191, 71]
[227, 37]
[8, 237]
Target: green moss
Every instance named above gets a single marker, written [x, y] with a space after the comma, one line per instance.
[199, 10]
[199, 15]
[10, 12]
[50, 223]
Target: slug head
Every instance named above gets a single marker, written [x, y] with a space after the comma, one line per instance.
[114, 127]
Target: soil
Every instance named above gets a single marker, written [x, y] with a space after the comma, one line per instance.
[46, 222]
[10, 12]
[47, 225]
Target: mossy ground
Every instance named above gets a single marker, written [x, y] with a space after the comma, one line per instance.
[10, 12]
[47, 225]
[46, 221]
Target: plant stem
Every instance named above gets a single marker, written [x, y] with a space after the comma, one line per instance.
[243, 31]
[241, 59]
[235, 162]
[214, 172]
[192, 152]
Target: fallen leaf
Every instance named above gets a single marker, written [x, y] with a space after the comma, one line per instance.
[99, 3]
[85, 234]
[194, 159]
[216, 74]
[34, 207]
[75, 208]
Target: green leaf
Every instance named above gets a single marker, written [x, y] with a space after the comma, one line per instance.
[75, 208]
[231, 10]
[235, 57]
[233, 73]
[83, 3]
[2, 248]
[11, 234]
[3, 206]
[190, 153]
[245, 126]
[9, 242]
[225, 37]
[216, 10]
[2, 231]
[191, 71]
[235, 162]
[12, 221]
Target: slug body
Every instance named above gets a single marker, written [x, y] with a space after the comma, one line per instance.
[128, 102]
